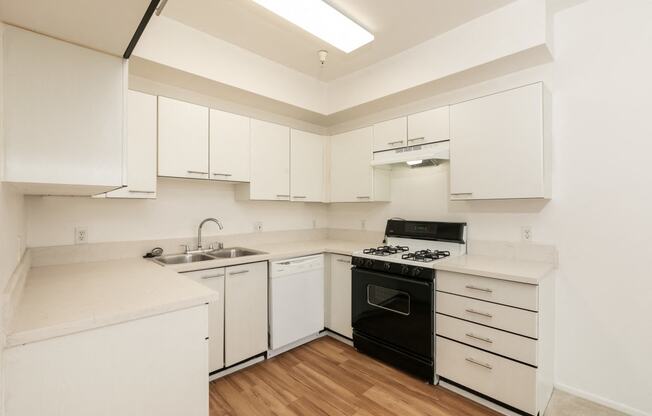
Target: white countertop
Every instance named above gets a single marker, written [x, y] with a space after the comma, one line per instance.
[64, 299]
[279, 251]
[530, 272]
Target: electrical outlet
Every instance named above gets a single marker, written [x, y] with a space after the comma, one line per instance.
[81, 235]
[258, 226]
[526, 233]
[363, 224]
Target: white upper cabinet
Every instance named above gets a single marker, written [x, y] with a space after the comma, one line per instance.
[63, 116]
[500, 147]
[428, 126]
[182, 139]
[390, 134]
[352, 177]
[270, 163]
[306, 166]
[229, 146]
[141, 148]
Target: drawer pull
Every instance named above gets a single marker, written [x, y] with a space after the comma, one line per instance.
[282, 196]
[239, 272]
[212, 276]
[479, 338]
[481, 289]
[344, 261]
[396, 142]
[488, 315]
[485, 365]
[222, 174]
[197, 172]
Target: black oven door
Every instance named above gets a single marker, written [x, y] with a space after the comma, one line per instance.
[393, 309]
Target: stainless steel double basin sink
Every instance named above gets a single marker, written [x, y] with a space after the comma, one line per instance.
[222, 253]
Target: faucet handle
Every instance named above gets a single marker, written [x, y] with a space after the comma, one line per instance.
[220, 246]
[186, 248]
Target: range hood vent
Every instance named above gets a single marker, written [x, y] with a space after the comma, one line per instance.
[420, 154]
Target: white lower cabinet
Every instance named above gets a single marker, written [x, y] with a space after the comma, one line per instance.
[338, 296]
[245, 312]
[213, 279]
[149, 366]
[497, 349]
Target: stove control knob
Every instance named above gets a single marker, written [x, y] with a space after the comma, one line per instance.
[369, 263]
[358, 261]
[405, 269]
[416, 271]
[387, 266]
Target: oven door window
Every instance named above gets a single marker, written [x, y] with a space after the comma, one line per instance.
[389, 299]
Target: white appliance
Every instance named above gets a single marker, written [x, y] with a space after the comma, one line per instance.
[435, 151]
[296, 299]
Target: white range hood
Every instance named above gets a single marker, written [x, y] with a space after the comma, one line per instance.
[413, 155]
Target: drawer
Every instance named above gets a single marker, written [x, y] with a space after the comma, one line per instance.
[502, 317]
[520, 295]
[499, 378]
[493, 340]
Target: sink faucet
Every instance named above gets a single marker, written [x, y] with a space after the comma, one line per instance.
[215, 220]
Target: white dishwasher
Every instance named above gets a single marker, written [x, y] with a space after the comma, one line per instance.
[296, 299]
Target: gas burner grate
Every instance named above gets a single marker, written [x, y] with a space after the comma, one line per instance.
[426, 255]
[385, 250]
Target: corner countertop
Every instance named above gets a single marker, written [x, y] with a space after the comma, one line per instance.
[278, 251]
[64, 299]
[530, 272]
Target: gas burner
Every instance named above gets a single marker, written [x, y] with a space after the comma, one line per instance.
[426, 255]
[385, 250]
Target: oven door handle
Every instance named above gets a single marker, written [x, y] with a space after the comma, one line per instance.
[364, 273]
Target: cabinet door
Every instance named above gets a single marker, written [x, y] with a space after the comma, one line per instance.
[428, 126]
[390, 134]
[245, 312]
[306, 167]
[182, 139]
[229, 146]
[141, 147]
[339, 319]
[351, 171]
[270, 161]
[497, 148]
[214, 280]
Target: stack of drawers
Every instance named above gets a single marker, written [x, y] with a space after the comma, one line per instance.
[488, 339]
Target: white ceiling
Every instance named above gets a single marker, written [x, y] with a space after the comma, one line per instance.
[106, 26]
[397, 25]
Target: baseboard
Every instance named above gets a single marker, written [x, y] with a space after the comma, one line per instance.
[293, 345]
[600, 400]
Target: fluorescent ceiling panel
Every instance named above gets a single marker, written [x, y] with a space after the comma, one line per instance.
[322, 20]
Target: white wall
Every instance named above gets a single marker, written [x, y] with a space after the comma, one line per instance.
[180, 206]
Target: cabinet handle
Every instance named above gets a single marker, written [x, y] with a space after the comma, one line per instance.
[485, 365]
[344, 261]
[222, 174]
[299, 196]
[488, 315]
[196, 172]
[282, 196]
[363, 197]
[488, 340]
[415, 139]
[461, 193]
[481, 289]
[141, 192]
[212, 276]
[396, 142]
[238, 272]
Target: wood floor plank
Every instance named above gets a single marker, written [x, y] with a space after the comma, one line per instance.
[328, 377]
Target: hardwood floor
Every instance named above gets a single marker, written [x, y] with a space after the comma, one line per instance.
[327, 377]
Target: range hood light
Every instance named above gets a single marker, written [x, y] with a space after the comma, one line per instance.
[414, 162]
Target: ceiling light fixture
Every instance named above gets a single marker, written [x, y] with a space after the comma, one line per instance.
[322, 20]
[414, 162]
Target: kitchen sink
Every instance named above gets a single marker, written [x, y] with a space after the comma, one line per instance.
[233, 252]
[183, 258]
